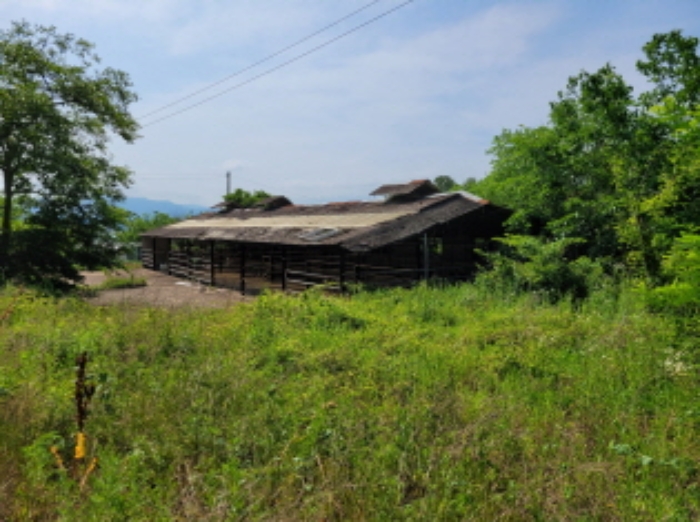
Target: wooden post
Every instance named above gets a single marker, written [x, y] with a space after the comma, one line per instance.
[271, 266]
[342, 272]
[426, 257]
[153, 256]
[418, 261]
[243, 268]
[211, 263]
[284, 269]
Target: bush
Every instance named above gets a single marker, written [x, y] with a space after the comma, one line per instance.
[421, 404]
[243, 199]
[682, 268]
[529, 264]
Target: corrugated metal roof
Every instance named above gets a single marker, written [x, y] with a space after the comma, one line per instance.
[315, 235]
[271, 219]
[353, 227]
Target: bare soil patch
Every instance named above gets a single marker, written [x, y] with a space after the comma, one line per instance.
[162, 290]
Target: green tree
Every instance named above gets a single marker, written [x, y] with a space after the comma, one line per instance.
[445, 183]
[58, 110]
[242, 198]
[526, 263]
[682, 268]
[557, 178]
[619, 172]
[20, 210]
[679, 197]
[673, 66]
[137, 224]
[469, 184]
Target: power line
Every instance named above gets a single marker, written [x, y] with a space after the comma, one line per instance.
[282, 65]
[203, 177]
[261, 61]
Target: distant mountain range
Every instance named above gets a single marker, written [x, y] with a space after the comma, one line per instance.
[148, 206]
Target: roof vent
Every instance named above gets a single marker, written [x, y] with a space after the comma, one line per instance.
[412, 191]
[273, 202]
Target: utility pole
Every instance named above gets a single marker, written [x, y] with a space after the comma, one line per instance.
[228, 182]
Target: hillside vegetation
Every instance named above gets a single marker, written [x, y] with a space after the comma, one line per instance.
[431, 404]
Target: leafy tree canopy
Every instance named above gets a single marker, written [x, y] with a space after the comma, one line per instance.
[682, 265]
[445, 183]
[58, 109]
[242, 198]
[620, 172]
[469, 184]
[137, 224]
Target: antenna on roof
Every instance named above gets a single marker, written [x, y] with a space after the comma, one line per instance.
[228, 182]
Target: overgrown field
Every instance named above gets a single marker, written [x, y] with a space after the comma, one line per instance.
[431, 404]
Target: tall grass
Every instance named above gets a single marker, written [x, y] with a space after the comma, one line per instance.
[430, 404]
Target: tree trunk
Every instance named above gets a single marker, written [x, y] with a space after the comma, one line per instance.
[651, 262]
[5, 238]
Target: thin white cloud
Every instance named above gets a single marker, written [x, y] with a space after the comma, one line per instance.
[418, 94]
[311, 123]
[101, 11]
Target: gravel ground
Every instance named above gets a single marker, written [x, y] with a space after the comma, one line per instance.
[163, 290]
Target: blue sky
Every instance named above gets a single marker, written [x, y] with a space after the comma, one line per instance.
[417, 94]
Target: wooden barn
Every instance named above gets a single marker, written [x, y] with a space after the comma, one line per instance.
[415, 233]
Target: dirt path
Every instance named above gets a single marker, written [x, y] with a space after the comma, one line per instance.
[163, 290]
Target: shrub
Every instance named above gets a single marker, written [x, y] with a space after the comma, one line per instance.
[682, 268]
[529, 264]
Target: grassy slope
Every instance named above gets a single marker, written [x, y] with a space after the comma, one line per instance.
[434, 404]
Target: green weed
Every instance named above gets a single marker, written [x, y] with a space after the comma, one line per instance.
[116, 282]
[434, 403]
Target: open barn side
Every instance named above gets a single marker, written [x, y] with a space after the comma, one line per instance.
[416, 233]
[446, 251]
